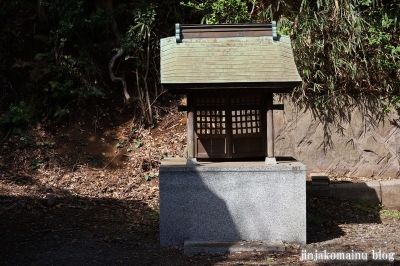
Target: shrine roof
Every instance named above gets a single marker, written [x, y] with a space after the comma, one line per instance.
[228, 56]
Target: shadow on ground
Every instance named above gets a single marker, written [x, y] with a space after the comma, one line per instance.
[86, 231]
[324, 215]
[350, 204]
[89, 231]
[76, 231]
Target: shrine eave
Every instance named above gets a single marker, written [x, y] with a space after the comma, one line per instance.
[276, 87]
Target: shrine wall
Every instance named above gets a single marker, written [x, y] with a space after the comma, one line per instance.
[351, 137]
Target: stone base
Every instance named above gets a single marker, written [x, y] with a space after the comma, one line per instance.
[270, 160]
[191, 161]
[240, 246]
[232, 201]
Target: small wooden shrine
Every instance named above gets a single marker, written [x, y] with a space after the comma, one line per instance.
[229, 73]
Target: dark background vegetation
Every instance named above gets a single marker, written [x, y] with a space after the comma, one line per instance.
[59, 57]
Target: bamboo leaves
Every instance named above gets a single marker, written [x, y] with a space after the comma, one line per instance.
[345, 47]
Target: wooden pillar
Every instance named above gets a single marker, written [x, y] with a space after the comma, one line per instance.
[190, 127]
[228, 128]
[270, 125]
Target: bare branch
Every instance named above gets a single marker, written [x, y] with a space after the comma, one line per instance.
[109, 6]
[252, 10]
[118, 79]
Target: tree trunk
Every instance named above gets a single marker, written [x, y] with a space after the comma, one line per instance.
[116, 79]
[109, 6]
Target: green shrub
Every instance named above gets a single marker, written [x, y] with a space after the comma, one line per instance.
[19, 115]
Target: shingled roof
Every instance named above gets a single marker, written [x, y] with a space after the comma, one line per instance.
[245, 61]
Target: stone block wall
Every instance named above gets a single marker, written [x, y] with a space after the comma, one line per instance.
[350, 137]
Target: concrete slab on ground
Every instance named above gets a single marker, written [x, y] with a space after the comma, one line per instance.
[391, 194]
[386, 192]
[368, 191]
[319, 179]
[232, 246]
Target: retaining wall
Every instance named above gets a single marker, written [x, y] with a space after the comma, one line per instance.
[350, 137]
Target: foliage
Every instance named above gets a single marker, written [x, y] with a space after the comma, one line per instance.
[138, 143]
[36, 164]
[142, 42]
[346, 47]
[120, 143]
[315, 220]
[390, 213]
[368, 207]
[149, 176]
[58, 53]
[57, 69]
[55, 54]
[341, 47]
[18, 115]
[223, 11]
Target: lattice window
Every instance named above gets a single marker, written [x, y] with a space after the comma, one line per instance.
[245, 121]
[211, 122]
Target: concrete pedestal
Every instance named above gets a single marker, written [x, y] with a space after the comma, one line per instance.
[232, 201]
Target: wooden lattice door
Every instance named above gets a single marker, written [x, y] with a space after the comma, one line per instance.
[229, 126]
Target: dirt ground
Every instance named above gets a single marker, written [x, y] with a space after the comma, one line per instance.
[85, 192]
